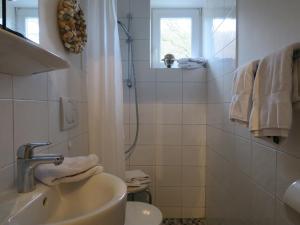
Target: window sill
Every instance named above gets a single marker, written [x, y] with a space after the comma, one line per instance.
[174, 67]
[162, 66]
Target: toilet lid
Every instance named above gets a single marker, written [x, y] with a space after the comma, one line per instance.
[138, 213]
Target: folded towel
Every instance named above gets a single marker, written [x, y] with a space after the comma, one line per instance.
[191, 63]
[194, 60]
[241, 103]
[71, 170]
[135, 174]
[190, 66]
[137, 183]
[271, 113]
[136, 178]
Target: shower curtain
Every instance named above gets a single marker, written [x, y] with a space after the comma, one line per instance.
[104, 84]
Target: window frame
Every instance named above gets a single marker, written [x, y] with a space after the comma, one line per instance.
[157, 14]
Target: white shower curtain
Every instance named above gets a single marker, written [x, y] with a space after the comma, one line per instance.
[104, 83]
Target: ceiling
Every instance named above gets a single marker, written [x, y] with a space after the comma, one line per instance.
[177, 3]
[24, 3]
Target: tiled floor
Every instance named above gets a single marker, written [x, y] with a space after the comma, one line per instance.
[192, 221]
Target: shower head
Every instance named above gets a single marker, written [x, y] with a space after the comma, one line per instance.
[126, 31]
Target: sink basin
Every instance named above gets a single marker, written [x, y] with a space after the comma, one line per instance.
[99, 200]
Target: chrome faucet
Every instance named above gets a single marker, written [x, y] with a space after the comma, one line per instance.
[27, 161]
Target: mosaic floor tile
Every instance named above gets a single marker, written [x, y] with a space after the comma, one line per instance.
[188, 221]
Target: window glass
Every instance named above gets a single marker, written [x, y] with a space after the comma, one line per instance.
[32, 28]
[1, 19]
[177, 32]
[176, 37]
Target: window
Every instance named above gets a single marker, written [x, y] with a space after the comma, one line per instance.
[27, 23]
[32, 29]
[177, 32]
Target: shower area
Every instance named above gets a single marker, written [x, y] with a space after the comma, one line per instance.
[201, 164]
[164, 118]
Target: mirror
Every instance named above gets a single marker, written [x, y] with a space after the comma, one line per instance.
[22, 16]
[1, 20]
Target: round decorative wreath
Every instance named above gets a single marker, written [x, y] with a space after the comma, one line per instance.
[72, 26]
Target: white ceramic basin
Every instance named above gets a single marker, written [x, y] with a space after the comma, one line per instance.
[100, 200]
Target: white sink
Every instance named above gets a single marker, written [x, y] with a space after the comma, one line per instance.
[100, 200]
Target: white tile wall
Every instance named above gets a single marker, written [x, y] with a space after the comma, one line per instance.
[170, 196]
[143, 71]
[123, 8]
[194, 93]
[140, 8]
[170, 75]
[144, 155]
[30, 88]
[242, 154]
[30, 122]
[169, 113]
[264, 157]
[169, 135]
[7, 177]
[171, 145]
[5, 86]
[6, 133]
[168, 176]
[194, 135]
[174, 134]
[168, 155]
[168, 92]
[29, 111]
[194, 113]
[246, 177]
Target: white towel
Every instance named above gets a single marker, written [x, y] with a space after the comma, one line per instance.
[194, 60]
[271, 113]
[138, 183]
[71, 170]
[136, 178]
[191, 63]
[241, 103]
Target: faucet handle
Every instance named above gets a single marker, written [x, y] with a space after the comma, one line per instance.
[26, 151]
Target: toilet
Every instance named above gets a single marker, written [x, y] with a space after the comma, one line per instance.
[139, 213]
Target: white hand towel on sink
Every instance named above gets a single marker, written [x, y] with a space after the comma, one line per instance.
[241, 103]
[271, 113]
[71, 170]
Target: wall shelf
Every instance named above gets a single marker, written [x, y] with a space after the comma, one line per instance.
[21, 57]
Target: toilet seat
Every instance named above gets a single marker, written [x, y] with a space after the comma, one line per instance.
[139, 213]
